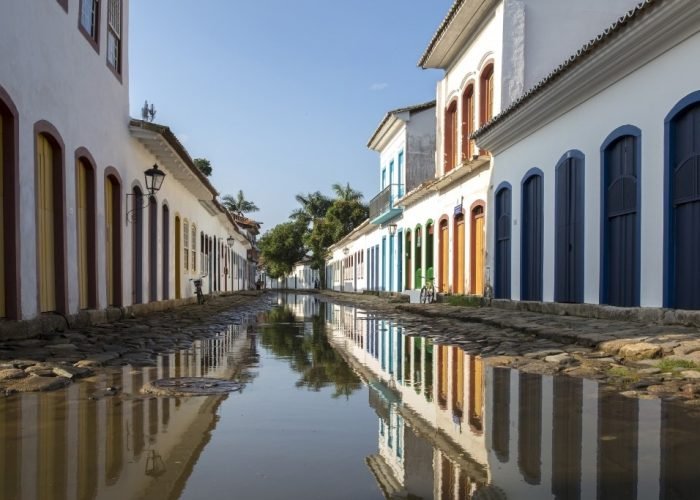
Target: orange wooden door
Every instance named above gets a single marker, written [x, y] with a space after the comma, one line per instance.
[477, 254]
[46, 244]
[444, 258]
[459, 275]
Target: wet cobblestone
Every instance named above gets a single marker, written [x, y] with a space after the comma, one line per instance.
[52, 361]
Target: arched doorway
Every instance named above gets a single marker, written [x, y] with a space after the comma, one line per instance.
[459, 251]
[178, 263]
[409, 263]
[152, 249]
[429, 245]
[137, 242]
[50, 221]
[113, 245]
[477, 249]
[683, 205]
[532, 236]
[443, 256]
[568, 229]
[418, 257]
[501, 287]
[621, 222]
[9, 210]
[86, 222]
[166, 252]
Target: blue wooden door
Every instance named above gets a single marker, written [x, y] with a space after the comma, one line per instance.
[502, 260]
[568, 231]
[399, 262]
[532, 238]
[391, 264]
[620, 286]
[685, 207]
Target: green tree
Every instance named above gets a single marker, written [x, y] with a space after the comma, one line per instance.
[238, 205]
[203, 165]
[282, 247]
[346, 193]
[313, 207]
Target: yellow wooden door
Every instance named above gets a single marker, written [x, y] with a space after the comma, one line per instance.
[458, 378]
[459, 257]
[2, 223]
[109, 244]
[443, 374]
[46, 244]
[478, 284]
[444, 258]
[476, 393]
[82, 203]
[177, 258]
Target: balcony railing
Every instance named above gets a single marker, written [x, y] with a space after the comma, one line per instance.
[384, 201]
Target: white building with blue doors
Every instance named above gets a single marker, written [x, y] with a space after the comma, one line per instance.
[596, 183]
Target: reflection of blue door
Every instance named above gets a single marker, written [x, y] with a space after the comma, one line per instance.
[501, 287]
[684, 208]
[620, 252]
[391, 263]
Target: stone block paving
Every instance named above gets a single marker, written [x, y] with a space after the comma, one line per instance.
[52, 361]
[635, 358]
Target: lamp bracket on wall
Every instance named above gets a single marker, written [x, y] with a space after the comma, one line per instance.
[154, 180]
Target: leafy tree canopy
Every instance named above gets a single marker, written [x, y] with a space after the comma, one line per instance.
[203, 165]
[281, 247]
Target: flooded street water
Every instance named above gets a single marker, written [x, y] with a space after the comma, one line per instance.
[340, 403]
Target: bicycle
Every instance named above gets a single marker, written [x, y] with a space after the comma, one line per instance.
[428, 295]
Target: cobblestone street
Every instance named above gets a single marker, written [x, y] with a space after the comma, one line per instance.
[51, 361]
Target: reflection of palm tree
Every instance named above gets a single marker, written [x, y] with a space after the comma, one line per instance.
[310, 355]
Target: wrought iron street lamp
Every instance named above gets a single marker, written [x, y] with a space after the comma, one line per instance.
[154, 181]
[392, 229]
[230, 241]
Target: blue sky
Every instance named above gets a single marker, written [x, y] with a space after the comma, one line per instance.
[281, 95]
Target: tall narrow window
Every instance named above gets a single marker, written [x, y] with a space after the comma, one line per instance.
[89, 19]
[186, 244]
[114, 35]
[467, 122]
[451, 137]
[400, 175]
[486, 94]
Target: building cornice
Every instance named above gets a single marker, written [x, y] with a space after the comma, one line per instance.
[652, 28]
[461, 24]
[388, 126]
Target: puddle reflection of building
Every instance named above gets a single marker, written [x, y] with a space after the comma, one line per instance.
[430, 439]
[530, 436]
[69, 444]
[303, 305]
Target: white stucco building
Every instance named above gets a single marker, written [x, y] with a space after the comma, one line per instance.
[490, 52]
[76, 234]
[596, 167]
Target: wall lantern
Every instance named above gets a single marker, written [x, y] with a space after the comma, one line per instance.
[392, 229]
[154, 180]
[230, 241]
[346, 251]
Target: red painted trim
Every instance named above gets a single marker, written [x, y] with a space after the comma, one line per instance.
[83, 154]
[10, 160]
[45, 128]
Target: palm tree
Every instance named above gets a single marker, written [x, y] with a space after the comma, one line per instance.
[346, 193]
[313, 207]
[238, 205]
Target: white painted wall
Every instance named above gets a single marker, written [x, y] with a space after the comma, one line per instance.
[52, 73]
[585, 128]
